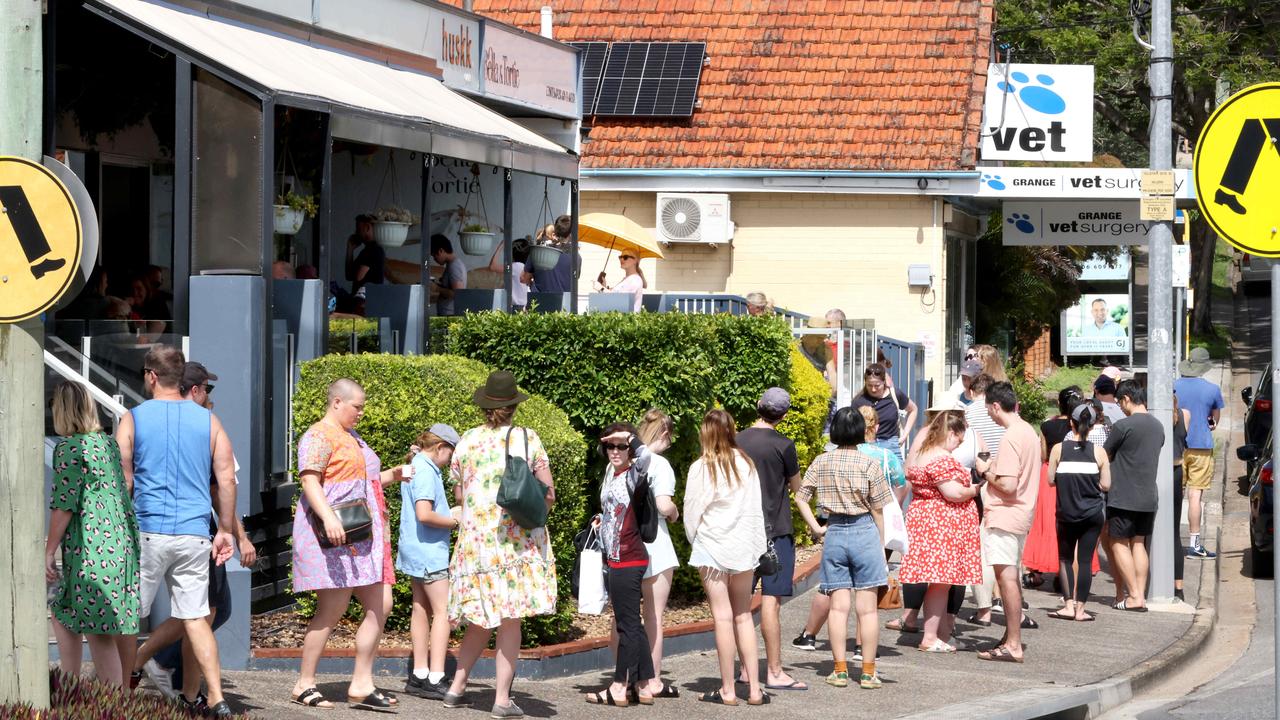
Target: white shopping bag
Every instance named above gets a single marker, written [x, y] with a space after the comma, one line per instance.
[591, 593]
[895, 528]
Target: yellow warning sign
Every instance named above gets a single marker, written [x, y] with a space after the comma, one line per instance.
[1237, 170]
[39, 239]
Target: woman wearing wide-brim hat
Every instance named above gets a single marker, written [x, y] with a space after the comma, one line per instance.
[499, 572]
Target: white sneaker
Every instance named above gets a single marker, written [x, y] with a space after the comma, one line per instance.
[160, 678]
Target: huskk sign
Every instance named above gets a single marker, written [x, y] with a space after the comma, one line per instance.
[1038, 112]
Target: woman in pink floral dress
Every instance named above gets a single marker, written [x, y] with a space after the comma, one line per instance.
[942, 525]
[499, 572]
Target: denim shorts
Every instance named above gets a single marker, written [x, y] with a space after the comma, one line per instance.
[852, 555]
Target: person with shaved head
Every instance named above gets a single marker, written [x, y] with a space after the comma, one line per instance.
[332, 470]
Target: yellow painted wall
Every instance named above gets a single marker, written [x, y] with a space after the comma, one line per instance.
[808, 253]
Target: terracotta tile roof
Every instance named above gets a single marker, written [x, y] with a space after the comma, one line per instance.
[795, 84]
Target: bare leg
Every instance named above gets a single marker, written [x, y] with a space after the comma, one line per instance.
[106, 658]
[838, 623]
[656, 591]
[818, 610]
[438, 598]
[473, 643]
[126, 647]
[1141, 567]
[867, 605]
[1011, 592]
[190, 671]
[716, 585]
[205, 647]
[1122, 567]
[745, 629]
[935, 606]
[330, 605]
[373, 598]
[508, 651]
[420, 626]
[70, 651]
[1195, 509]
[161, 637]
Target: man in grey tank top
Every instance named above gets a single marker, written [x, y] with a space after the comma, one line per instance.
[169, 446]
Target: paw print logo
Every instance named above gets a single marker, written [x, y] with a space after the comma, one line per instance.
[993, 181]
[1037, 97]
[1022, 221]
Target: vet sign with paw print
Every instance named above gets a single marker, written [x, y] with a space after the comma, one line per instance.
[1038, 113]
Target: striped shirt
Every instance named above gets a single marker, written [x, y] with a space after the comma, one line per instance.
[979, 419]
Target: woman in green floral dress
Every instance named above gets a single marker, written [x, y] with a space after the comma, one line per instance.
[92, 519]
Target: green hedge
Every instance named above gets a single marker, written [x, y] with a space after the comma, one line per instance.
[611, 367]
[406, 395]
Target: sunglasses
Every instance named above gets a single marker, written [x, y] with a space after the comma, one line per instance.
[146, 370]
[617, 447]
[626, 257]
[208, 388]
[970, 356]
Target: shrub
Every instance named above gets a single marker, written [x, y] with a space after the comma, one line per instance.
[810, 402]
[75, 698]
[406, 395]
[1033, 405]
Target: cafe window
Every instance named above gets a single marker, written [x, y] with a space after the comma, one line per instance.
[226, 214]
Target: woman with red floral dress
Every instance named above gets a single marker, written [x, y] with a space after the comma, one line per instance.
[942, 526]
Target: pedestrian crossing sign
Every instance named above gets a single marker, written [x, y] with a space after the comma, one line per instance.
[1237, 170]
[40, 239]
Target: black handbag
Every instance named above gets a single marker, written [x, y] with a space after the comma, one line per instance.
[769, 564]
[646, 510]
[357, 521]
[522, 495]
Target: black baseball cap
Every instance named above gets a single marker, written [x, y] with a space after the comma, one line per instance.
[194, 374]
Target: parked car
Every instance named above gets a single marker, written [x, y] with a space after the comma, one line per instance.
[1262, 530]
[1255, 273]
[1257, 417]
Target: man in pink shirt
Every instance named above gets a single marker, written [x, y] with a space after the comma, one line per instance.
[1010, 506]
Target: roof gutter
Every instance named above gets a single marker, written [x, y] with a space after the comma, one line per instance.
[765, 173]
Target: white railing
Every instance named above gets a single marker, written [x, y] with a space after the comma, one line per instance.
[854, 350]
[114, 405]
[88, 367]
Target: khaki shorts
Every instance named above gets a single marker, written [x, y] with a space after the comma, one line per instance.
[1002, 548]
[179, 563]
[1197, 469]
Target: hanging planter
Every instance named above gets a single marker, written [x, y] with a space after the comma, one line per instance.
[477, 240]
[287, 221]
[544, 257]
[391, 224]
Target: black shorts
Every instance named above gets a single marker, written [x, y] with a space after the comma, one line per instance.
[1125, 524]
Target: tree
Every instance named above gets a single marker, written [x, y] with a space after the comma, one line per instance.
[1220, 46]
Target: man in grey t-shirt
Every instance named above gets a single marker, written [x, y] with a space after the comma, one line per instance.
[1134, 448]
[453, 278]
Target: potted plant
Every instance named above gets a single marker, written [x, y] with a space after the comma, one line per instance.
[391, 225]
[476, 239]
[544, 254]
[291, 209]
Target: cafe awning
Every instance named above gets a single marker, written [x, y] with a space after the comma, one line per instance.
[369, 101]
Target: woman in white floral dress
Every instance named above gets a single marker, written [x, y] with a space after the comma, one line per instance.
[499, 572]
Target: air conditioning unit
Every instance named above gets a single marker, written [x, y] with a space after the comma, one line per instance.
[694, 218]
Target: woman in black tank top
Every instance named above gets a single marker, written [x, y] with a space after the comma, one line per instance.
[1081, 472]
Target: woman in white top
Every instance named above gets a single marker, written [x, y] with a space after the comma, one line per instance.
[634, 281]
[655, 433]
[725, 523]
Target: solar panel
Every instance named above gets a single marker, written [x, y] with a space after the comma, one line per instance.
[593, 57]
[650, 79]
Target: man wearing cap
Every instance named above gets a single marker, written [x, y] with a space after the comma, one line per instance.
[778, 466]
[1104, 389]
[366, 260]
[167, 656]
[1203, 400]
[970, 370]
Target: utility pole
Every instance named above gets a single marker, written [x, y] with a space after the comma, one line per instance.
[24, 634]
[1160, 356]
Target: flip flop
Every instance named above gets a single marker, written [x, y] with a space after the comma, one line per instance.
[896, 624]
[1088, 617]
[793, 685]
[311, 698]
[1124, 605]
[715, 698]
[1059, 615]
[999, 654]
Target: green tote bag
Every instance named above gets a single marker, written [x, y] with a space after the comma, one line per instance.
[522, 495]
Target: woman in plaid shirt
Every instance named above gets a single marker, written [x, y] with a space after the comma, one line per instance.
[851, 487]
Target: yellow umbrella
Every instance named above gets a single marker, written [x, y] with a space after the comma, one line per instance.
[619, 233]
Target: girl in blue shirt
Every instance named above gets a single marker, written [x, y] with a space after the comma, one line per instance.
[426, 524]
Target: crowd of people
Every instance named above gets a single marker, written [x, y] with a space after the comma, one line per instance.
[985, 496]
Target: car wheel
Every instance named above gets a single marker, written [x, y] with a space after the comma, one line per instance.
[1261, 562]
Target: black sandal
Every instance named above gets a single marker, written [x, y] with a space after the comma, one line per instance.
[373, 701]
[311, 697]
[668, 692]
[604, 697]
[764, 699]
[715, 697]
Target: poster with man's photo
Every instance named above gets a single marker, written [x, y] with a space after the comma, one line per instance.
[1097, 325]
